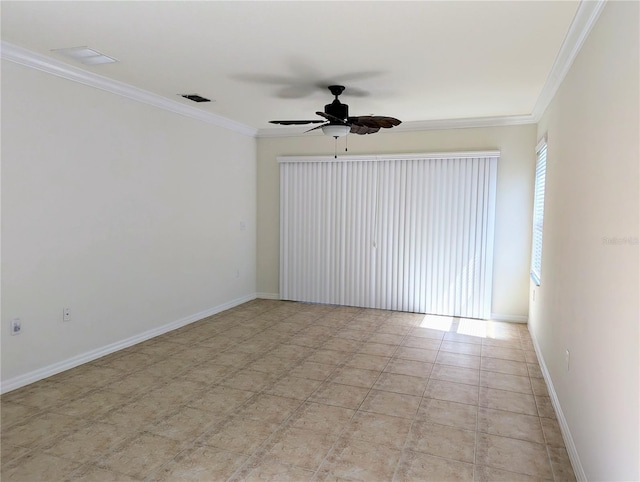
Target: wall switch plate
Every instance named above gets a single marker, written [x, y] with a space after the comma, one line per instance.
[16, 326]
[66, 314]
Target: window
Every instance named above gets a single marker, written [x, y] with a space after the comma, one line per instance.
[538, 211]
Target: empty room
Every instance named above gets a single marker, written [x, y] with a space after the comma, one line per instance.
[320, 240]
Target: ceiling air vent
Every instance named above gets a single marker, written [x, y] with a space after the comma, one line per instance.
[196, 98]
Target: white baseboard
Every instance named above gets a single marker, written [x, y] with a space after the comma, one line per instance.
[510, 318]
[564, 426]
[50, 370]
[268, 296]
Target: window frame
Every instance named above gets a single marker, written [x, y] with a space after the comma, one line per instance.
[538, 211]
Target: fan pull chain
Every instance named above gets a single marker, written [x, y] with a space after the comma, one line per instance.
[346, 143]
[335, 149]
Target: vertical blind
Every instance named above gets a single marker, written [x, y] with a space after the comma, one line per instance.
[407, 233]
[538, 211]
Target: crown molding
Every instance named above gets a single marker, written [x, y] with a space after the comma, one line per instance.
[584, 20]
[31, 59]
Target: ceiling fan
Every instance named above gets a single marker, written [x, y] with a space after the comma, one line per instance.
[338, 123]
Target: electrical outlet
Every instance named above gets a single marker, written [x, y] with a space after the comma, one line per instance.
[66, 314]
[16, 326]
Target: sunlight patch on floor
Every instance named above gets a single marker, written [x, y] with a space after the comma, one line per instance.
[467, 326]
[437, 322]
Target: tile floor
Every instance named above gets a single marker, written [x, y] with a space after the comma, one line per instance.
[275, 390]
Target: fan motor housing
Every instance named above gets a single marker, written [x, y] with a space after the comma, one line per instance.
[337, 109]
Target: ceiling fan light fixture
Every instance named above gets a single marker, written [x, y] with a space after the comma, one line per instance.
[335, 130]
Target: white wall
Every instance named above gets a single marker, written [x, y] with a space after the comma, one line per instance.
[588, 298]
[127, 214]
[513, 200]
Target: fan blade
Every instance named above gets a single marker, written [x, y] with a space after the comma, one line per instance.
[331, 118]
[374, 121]
[295, 122]
[316, 127]
[362, 130]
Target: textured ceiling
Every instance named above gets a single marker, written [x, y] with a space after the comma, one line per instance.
[417, 61]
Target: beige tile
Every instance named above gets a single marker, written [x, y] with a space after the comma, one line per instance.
[322, 418]
[417, 466]
[530, 356]
[312, 370]
[131, 362]
[89, 442]
[41, 430]
[379, 429]
[221, 399]
[561, 464]
[139, 457]
[138, 414]
[368, 362]
[201, 463]
[45, 394]
[452, 392]
[94, 473]
[94, 404]
[545, 407]
[451, 373]
[362, 460]
[273, 366]
[552, 432]
[87, 377]
[169, 367]
[134, 384]
[269, 408]
[504, 381]
[458, 359]
[462, 338]
[422, 343]
[11, 452]
[290, 352]
[513, 455]
[378, 349]
[514, 354]
[510, 424]
[36, 466]
[187, 424]
[393, 329]
[356, 377]
[534, 370]
[427, 333]
[207, 373]
[342, 344]
[302, 448]
[483, 473]
[507, 400]
[389, 403]
[393, 382]
[329, 357]
[409, 367]
[386, 338]
[442, 441]
[539, 387]
[13, 413]
[249, 380]
[294, 387]
[270, 469]
[443, 412]
[461, 348]
[417, 354]
[346, 396]
[501, 365]
[241, 435]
